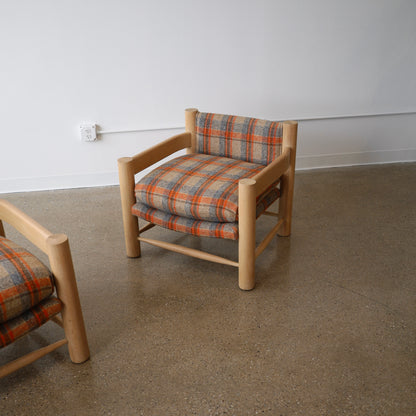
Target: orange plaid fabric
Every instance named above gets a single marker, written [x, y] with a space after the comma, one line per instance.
[196, 186]
[26, 285]
[24, 280]
[31, 319]
[228, 230]
[243, 138]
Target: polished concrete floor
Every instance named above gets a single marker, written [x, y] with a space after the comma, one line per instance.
[329, 329]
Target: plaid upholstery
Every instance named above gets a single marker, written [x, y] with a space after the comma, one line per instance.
[33, 318]
[186, 225]
[242, 138]
[228, 230]
[24, 280]
[196, 186]
[265, 200]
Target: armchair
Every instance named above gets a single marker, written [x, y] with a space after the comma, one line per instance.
[233, 170]
[27, 288]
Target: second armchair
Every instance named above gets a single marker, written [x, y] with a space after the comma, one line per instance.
[233, 170]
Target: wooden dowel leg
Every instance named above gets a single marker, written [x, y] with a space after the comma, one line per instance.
[130, 222]
[287, 181]
[247, 233]
[66, 286]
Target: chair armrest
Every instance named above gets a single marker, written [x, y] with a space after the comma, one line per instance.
[28, 227]
[127, 168]
[158, 152]
[272, 172]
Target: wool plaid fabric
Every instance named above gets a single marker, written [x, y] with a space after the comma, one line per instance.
[196, 186]
[24, 280]
[33, 318]
[228, 230]
[200, 228]
[243, 138]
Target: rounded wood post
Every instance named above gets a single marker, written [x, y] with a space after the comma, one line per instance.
[190, 126]
[66, 287]
[128, 199]
[287, 181]
[247, 233]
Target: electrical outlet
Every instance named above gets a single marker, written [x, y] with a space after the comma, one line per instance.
[88, 132]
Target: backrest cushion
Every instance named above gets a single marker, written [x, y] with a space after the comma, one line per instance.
[24, 280]
[243, 138]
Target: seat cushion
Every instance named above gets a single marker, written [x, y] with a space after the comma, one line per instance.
[31, 319]
[227, 230]
[24, 280]
[244, 138]
[198, 187]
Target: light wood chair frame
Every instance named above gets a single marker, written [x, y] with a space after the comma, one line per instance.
[56, 246]
[282, 167]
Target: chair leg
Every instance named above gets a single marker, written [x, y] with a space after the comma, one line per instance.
[247, 233]
[287, 181]
[66, 287]
[285, 203]
[130, 222]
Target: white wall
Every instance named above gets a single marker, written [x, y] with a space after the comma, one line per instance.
[131, 65]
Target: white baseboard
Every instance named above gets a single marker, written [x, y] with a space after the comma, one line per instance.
[353, 159]
[47, 183]
[111, 178]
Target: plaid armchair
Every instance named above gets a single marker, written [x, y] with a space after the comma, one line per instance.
[31, 294]
[234, 169]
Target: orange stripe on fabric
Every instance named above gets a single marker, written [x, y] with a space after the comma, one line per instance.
[275, 140]
[39, 316]
[270, 146]
[9, 333]
[3, 307]
[210, 119]
[228, 146]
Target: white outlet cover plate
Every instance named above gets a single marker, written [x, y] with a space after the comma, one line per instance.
[88, 132]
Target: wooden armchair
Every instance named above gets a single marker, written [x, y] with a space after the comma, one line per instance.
[27, 298]
[233, 170]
